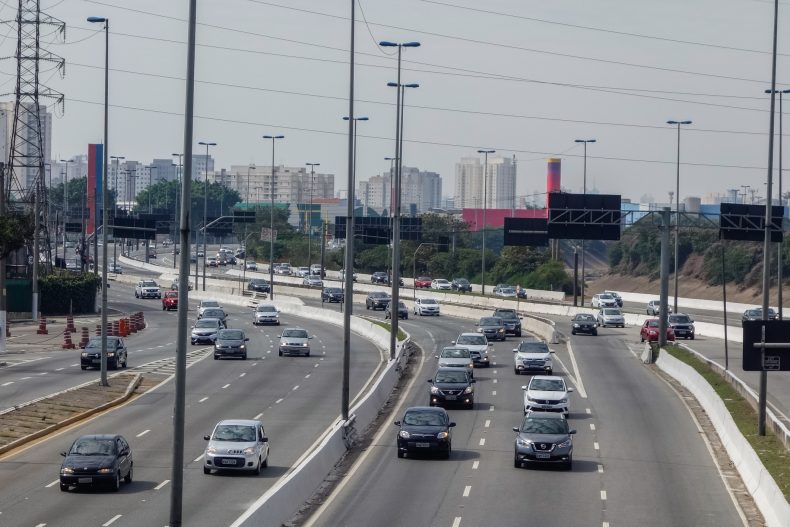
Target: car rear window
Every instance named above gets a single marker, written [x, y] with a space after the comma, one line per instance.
[585, 317]
[491, 321]
[506, 314]
[209, 303]
[475, 340]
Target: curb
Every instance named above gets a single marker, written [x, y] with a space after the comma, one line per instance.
[133, 384]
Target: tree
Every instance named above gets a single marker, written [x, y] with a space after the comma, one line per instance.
[15, 230]
[76, 193]
[160, 198]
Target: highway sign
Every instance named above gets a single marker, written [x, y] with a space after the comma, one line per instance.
[776, 345]
[266, 234]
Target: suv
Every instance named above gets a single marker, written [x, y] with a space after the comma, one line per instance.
[282, 268]
[377, 300]
[654, 307]
[332, 294]
[450, 385]
[426, 306]
[546, 394]
[616, 296]
[117, 354]
[477, 345]
[532, 354]
[230, 342]
[259, 285]
[604, 300]
[682, 325]
[379, 277]
[294, 341]
[170, 301]
[543, 437]
[511, 319]
[147, 289]
[492, 327]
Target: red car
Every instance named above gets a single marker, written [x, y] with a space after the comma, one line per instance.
[423, 281]
[649, 331]
[170, 300]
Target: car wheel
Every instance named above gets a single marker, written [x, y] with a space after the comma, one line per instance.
[400, 454]
[244, 357]
[449, 451]
[569, 463]
[116, 482]
[519, 333]
[64, 487]
[125, 360]
[128, 477]
[516, 462]
[406, 317]
[280, 353]
[641, 339]
[594, 333]
[206, 470]
[573, 332]
[216, 357]
[515, 370]
[266, 460]
[257, 470]
[367, 307]
[307, 354]
[163, 308]
[84, 367]
[692, 337]
[551, 372]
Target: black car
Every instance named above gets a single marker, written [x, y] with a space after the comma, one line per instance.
[379, 277]
[451, 386]
[757, 314]
[332, 294]
[230, 343]
[584, 323]
[461, 285]
[117, 355]
[259, 285]
[511, 319]
[683, 325]
[492, 327]
[216, 312]
[425, 429]
[403, 311]
[102, 459]
[377, 300]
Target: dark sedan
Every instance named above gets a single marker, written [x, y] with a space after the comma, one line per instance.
[230, 343]
[102, 459]
[451, 386]
[757, 314]
[461, 285]
[403, 311]
[425, 429]
[584, 323]
[492, 327]
[377, 300]
[543, 437]
[259, 285]
[332, 294]
[216, 312]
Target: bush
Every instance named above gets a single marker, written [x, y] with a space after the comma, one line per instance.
[549, 276]
[68, 293]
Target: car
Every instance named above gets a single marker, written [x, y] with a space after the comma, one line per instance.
[425, 429]
[584, 323]
[192, 258]
[649, 331]
[521, 292]
[505, 291]
[205, 330]
[174, 285]
[259, 285]
[97, 459]
[543, 437]
[207, 304]
[316, 270]
[682, 325]
[610, 316]
[354, 276]
[283, 268]
[456, 357]
[152, 253]
[380, 277]
[251, 266]
[230, 343]
[312, 281]
[237, 444]
[403, 311]
[266, 314]
[441, 284]
[511, 320]
[492, 327]
[216, 312]
[654, 307]
[546, 394]
[212, 262]
[477, 345]
[451, 386]
[222, 260]
[616, 296]
[115, 268]
[201, 254]
[604, 300]
[294, 341]
[117, 354]
[426, 306]
[757, 314]
[532, 354]
[302, 272]
[170, 300]
[423, 282]
[377, 300]
[147, 289]
[461, 285]
[231, 260]
[332, 294]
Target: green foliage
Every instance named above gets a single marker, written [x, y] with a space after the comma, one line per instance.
[550, 275]
[739, 260]
[516, 263]
[161, 198]
[65, 292]
[15, 230]
[76, 194]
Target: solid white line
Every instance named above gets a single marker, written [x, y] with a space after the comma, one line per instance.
[41, 525]
[258, 416]
[24, 378]
[577, 373]
[111, 520]
[488, 423]
[592, 426]
[295, 388]
[475, 465]
[75, 364]
[605, 524]
[254, 363]
[198, 458]
[457, 521]
[493, 392]
[242, 374]
[226, 386]
[467, 490]
[603, 494]
[600, 469]
[596, 446]
[278, 401]
[165, 482]
[141, 434]
[7, 383]
[203, 399]
[482, 441]
[52, 484]
[315, 365]
[43, 373]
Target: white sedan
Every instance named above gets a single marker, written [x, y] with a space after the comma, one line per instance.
[441, 284]
[426, 306]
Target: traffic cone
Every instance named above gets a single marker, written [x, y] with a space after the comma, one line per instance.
[133, 323]
[98, 330]
[42, 326]
[85, 337]
[116, 330]
[70, 324]
[67, 343]
[142, 320]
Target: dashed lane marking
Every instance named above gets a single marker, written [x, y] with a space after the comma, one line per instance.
[488, 423]
[493, 392]
[60, 369]
[7, 383]
[467, 490]
[278, 401]
[258, 416]
[198, 458]
[242, 374]
[74, 365]
[48, 485]
[295, 388]
[141, 434]
[589, 412]
[457, 521]
[111, 520]
[603, 494]
[491, 408]
[495, 381]
[165, 482]
[307, 376]
[600, 469]
[226, 386]
[482, 441]
[596, 446]
[25, 378]
[475, 465]
[592, 426]
[203, 399]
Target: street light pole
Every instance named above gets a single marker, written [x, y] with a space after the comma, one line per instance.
[779, 259]
[389, 214]
[176, 211]
[310, 220]
[485, 208]
[271, 218]
[584, 191]
[205, 214]
[117, 160]
[677, 209]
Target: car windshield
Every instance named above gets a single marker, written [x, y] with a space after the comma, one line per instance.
[171, 294]
[428, 301]
[533, 347]
[258, 281]
[544, 425]
[424, 278]
[441, 281]
[333, 290]
[508, 290]
[267, 309]
[93, 447]
[506, 314]
[612, 312]
[424, 418]
[213, 313]
[379, 273]
[150, 283]
[450, 376]
[238, 433]
[547, 385]
[491, 321]
[455, 353]
[379, 295]
[95, 342]
[401, 305]
[604, 296]
[206, 323]
[476, 340]
[585, 318]
[209, 303]
[462, 281]
[681, 319]
[652, 323]
[297, 333]
[231, 334]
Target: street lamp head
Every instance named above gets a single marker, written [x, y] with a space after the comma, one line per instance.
[97, 19]
[313, 164]
[392, 84]
[411, 44]
[273, 137]
[390, 158]
[486, 151]
[363, 119]
[786, 90]
[413, 85]
[678, 122]
[206, 143]
[585, 140]
[387, 44]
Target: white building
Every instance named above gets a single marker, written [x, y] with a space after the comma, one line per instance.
[420, 191]
[128, 179]
[500, 190]
[25, 176]
[291, 184]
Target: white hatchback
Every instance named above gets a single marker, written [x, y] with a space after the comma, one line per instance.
[237, 444]
[546, 394]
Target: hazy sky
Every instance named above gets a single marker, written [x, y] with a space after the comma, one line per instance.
[526, 78]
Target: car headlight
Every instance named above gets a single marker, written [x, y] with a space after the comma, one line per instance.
[576, 325]
[434, 389]
[243, 347]
[304, 344]
[501, 330]
[83, 354]
[111, 354]
[563, 401]
[523, 442]
[469, 389]
[249, 451]
[471, 364]
[105, 471]
[565, 443]
[404, 434]
[442, 435]
[211, 450]
[67, 470]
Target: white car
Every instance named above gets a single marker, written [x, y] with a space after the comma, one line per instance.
[207, 304]
[441, 284]
[266, 314]
[546, 394]
[610, 316]
[282, 268]
[251, 266]
[604, 300]
[506, 292]
[531, 355]
[147, 289]
[426, 306]
[456, 357]
[312, 281]
[237, 444]
[477, 345]
[302, 272]
[654, 307]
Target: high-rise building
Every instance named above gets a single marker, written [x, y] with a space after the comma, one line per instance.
[500, 190]
[199, 162]
[421, 191]
[291, 184]
[25, 176]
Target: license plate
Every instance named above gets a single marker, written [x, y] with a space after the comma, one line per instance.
[422, 445]
[228, 461]
[450, 397]
[542, 456]
[96, 361]
[85, 480]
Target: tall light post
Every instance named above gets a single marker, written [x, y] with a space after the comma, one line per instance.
[389, 208]
[585, 142]
[105, 197]
[310, 220]
[271, 218]
[175, 211]
[352, 192]
[65, 203]
[207, 144]
[485, 208]
[117, 160]
[782, 203]
[677, 208]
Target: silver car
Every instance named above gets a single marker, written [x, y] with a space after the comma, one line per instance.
[456, 357]
[266, 314]
[610, 316]
[477, 345]
[237, 444]
[205, 330]
[207, 304]
[543, 437]
[295, 341]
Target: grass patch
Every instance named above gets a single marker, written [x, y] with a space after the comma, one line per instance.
[769, 448]
[388, 327]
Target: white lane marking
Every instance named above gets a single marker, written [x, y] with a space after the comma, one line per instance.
[43, 373]
[589, 412]
[493, 392]
[491, 408]
[60, 369]
[52, 484]
[41, 525]
[307, 376]
[203, 399]
[75, 364]
[596, 446]
[141, 434]
[295, 388]
[605, 524]
[475, 465]
[278, 401]
[494, 372]
[198, 458]
[467, 490]
[592, 426]
[7, 383]
[577, 373]
[165, 482]
[111, 520]
[603, 494]
[600, 469]
[457, 521]
[268, 351]
[482, 441]
[226, 386]
[258, 416]
[242, 374]
[495, 381]
[25, 378]
[315, 366]
[488, 423]
[254, 363]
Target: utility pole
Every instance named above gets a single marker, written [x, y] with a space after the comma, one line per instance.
[3, 313]
[664, 285]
